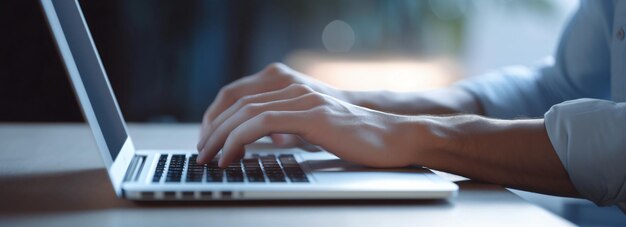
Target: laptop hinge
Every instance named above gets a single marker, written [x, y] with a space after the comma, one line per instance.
[134, 168]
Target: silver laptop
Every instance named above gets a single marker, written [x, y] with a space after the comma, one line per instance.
[265, 173]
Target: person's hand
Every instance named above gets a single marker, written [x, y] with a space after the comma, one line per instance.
[274, 77]
[353, 133]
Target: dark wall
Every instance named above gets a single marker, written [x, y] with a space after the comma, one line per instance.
[33, 85]
[166, 60]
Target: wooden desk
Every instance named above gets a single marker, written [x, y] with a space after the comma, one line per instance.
[52, 175]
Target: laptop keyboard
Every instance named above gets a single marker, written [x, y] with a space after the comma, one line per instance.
[257, 169]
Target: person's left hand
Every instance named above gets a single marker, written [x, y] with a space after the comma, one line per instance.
[353, 133]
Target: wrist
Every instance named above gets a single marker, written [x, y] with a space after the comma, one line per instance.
[438, 138]
[346, 96]
[357, 98]
[343, 95]
[376, 100]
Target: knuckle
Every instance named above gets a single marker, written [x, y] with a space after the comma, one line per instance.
[226, 92]
[296, 87]
[301, 88]
[207, 115]
[275, 68]
[244, 101]
[239, 103]
[265, 118]
[316, 98]
[251, 109]
[321, 112]
[279, 72]
[287, 78]
[232, 138]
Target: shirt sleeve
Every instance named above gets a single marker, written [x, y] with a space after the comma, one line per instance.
[589, 136]
[587, 131]
[519, 91]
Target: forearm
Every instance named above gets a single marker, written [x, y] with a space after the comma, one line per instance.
[450, 100]
[513, 153]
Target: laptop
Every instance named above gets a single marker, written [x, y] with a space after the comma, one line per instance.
[264, 173]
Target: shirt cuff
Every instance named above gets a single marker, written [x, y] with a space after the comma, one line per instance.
[507, 93]
[588, 136]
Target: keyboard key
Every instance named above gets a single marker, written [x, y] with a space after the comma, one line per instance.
[292, 169]
[214, 174]
[273, 169]
[175, 168]
[238, 178]
[253, 170]
[250, 162]
[234, 172]
[287, 160]
[277, 179]
[160, 167]
[256, 179]
[195, 171]
[258, 169]
[302, 179]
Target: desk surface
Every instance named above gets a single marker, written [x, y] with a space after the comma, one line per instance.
[52, 175]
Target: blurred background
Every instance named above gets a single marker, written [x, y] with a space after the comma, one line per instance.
[166, 60]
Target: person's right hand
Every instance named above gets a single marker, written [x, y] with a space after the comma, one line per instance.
[274, 77]
[353, 133]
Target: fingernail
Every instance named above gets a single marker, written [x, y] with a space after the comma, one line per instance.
[202, 145]
[203, 140]
[201, 155]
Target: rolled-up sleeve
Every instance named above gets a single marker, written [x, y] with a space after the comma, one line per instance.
[589, 136]
[518, 91]
[587, 131]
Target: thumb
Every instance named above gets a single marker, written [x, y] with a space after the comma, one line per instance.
[289, 140]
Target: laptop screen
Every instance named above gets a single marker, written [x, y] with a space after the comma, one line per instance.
[93, 76]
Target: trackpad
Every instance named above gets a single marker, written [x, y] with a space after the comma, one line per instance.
[346, 173]
[338, 165]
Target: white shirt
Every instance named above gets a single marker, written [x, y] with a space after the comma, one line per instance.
[581, 95]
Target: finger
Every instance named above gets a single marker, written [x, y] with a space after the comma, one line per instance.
[218, 137]
[289, 92]
[261, 82]
[255, 84]
[226, 96]
[285, 140]
[292, 122]
[309, 146]
[288, 140]
[241, 155]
